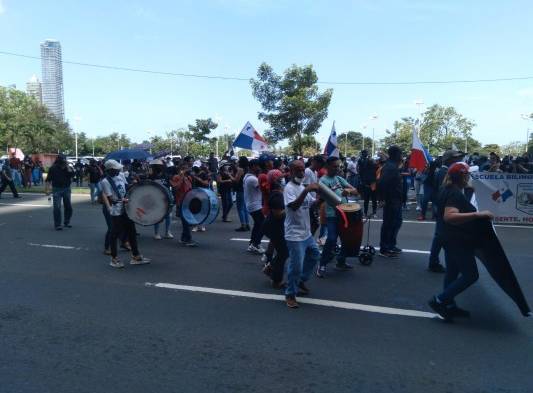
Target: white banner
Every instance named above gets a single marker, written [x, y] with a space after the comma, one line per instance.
[508, 195]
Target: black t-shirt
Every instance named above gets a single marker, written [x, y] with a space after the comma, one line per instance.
[276, 201]
[60, 177]
[274, 228]
[463, 234]
[94, 174]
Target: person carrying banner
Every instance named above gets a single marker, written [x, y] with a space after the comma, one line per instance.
[460, 238]
[448, 158]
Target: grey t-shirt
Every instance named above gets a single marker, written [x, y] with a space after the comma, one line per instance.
[252, 194]
[117, 206]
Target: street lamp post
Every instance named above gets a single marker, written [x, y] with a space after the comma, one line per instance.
[527, 119]
[363, 144]
[373, 117]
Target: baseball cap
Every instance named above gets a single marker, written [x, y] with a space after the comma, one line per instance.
[113, 164]
[451, 154]
[274, 175]
[458, 168]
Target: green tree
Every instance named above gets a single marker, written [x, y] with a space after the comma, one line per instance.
[201, 129]
[292, 104]
[486, 149]
[351, 143]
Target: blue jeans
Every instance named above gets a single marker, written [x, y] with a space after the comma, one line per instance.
[303, 257]
[241, 208]
[94, 187]
[436, 244]
[331, 242]
[392, 222]
[17, 177]
[62, 194]
[36, 176]
[167, 225]
[461, 271]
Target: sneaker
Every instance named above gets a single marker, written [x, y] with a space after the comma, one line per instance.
[115, 262]
[59, 228]
[343, 266]
[139, 260]
[396, 250]
[421, 218]
[441, 309]
[388, 254]
[190, 243]
[302, 289]
[418, 208]
[169, 235]
[291, 302]
[202, 229]
[266, 258]
[241, 229]
[436, 268]
[67, 225]
[321, 271]
[255, 250]
[157, 237]
[194, 229]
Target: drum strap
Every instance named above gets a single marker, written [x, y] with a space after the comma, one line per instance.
[113, 187]
[343, 215]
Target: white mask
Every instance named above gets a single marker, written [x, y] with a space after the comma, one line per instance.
[298, 180]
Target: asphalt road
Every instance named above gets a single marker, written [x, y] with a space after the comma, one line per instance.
[70, 323]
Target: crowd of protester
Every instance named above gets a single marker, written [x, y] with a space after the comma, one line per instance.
[278, 198]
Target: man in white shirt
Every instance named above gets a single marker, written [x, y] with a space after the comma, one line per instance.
[352, 174]
[310, 177]
[303, 250]
[254, 204]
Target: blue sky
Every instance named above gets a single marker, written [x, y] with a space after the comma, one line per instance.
[401, 40]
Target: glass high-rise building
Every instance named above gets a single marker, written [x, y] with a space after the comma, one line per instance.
[52, 81]
[34, 88]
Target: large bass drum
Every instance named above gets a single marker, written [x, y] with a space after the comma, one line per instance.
[200, 206]
[350, 227]
[148, 203]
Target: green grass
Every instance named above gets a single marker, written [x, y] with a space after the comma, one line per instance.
[40, 190]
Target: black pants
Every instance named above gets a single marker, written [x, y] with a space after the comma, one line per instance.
[257, 230]
[123, 225]
[278, 263]
[369, 194]
[11, 185]
[392, 221]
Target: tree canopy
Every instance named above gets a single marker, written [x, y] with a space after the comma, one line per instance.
[292, 105]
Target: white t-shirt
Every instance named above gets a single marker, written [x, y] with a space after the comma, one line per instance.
[252, 194]
[310, 177]
[117, 206]
[352, 167]
[297, 222]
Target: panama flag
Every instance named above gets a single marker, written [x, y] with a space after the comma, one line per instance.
[250, 139]
[419, 155]
[331, 149]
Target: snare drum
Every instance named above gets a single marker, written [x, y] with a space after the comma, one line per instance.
[148, 203]
[350, 227]
[200, 206]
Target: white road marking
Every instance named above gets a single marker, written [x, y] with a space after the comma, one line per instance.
[56, 246]
[433, 222]
[24, 204]
[317, 302]
[377, 248]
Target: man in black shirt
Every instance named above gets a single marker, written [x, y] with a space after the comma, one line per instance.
[59, 177]
[390, 188]
[6, 177]
[367, 181]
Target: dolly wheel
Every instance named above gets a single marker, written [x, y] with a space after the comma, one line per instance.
[365, 259]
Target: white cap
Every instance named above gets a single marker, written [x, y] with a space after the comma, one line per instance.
[113, 164]
[156, 162]
[197, 164]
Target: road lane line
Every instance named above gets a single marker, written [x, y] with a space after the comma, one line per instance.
[236, 239]
[316, 302]
[24, 204]
[433, 222]
[57, 246]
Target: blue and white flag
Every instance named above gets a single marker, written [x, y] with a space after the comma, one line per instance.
[250, 139]
[331, 149]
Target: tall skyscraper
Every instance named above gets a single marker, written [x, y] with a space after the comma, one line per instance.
[34, 89]
[52, 85]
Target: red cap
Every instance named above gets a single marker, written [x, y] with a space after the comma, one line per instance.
[457, 168]
[274, 175]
